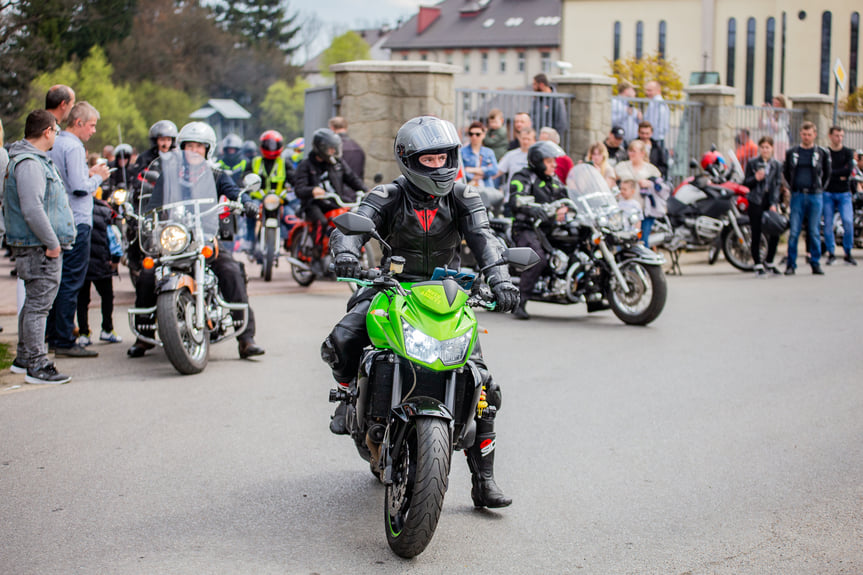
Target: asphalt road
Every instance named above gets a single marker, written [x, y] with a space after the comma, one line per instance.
[725, 438]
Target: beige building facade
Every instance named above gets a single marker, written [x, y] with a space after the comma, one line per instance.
[760, 47]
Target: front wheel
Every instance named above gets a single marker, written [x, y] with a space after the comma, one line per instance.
[413, 502]
[270, 247]
[738, 251]
[299, 246]
[187, 347]
[646, 296]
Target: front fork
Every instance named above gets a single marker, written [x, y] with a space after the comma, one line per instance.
[200, 312]
[612, 263]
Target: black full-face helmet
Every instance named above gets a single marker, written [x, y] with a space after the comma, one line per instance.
[422, 136]
[323, 140]
[539, 151]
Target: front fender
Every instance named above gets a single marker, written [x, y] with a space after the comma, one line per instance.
[174, 281]
[640, 254]
[421, 406]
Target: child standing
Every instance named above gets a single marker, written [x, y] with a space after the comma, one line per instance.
[629, 204]
[105, 253]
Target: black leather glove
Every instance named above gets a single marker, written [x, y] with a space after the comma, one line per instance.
[347, 265]
[250, 208]
[506, 295]
[538, 213]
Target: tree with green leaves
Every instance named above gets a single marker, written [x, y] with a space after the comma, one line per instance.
[348, 47]
[262, 23]
[283, 107]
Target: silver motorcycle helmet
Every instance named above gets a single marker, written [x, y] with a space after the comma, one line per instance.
[428, 135]
[198, 132]
[163, 129]
[539, 151]
[232, 141]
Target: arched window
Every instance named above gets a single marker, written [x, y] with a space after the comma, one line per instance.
[826, 20]
[750, 62]
[617, 40]
[663, 28]
[639, 39]
[732, 51]
[852, 60]
[769, 57]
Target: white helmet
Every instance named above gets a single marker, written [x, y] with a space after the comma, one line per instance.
[198, 132]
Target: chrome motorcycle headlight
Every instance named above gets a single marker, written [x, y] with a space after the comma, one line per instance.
[634, 219]
[173, 239]
[615, 221]
[427, 349]
[602, 221]
[119, 197]
[272, 202]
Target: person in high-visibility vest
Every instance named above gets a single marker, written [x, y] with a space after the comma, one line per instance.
[232, 159]
[277, 176]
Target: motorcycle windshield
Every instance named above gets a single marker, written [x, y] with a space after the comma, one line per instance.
[179, 189]
[590, 192]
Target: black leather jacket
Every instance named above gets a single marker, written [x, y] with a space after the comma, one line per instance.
[310, 174]
[545, 189]
[768, 187]
[822, 167]
[427, 230]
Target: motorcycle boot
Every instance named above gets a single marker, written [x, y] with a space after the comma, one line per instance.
[480, 460]
[248, 348]
[520, 312]
[338, 424]
[139, 348]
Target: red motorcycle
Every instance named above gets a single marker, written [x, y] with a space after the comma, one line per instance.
[306, 264]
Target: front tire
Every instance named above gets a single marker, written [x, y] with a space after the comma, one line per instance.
[738, 252]
[270, 247]
[301, 276]
[413, 502]
[646, 298]
[187, 348]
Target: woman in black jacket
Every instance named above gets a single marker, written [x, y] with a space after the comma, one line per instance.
[763, 178]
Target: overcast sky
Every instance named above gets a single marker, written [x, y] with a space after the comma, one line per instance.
[338, 16]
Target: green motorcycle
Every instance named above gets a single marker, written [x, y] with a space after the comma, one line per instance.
[417, 391]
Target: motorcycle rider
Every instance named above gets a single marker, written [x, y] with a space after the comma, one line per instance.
[122, 176]
[232, 159]
[163, 137]
[199, 138]
[276, 174]
[538, 180]
[321, 173]
[423, 215]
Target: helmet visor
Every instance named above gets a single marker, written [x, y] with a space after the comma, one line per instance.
[432, 136]
[271, 145]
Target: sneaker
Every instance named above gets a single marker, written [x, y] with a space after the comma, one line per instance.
[850, 259]
[789, 271]
[18, 366]
[75, 351]
[830, 259]
[46, 374]
[84, 340]
[110, 337]
[774, 270]
[816, 270]
[759, 271]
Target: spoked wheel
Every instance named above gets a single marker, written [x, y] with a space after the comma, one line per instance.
[302, 276]
[646, 296]
[738, 251]
[187, 347]
[270, 247]
[414, 501]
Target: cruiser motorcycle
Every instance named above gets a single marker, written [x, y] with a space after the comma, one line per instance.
[178, 225]
[417, 391]
[596, 256]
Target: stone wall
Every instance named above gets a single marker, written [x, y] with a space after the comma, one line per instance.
[377, 97]
[590, 113]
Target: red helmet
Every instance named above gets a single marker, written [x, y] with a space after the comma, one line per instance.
[272, 144]
[709, 159]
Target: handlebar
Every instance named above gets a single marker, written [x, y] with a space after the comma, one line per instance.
[337, 199]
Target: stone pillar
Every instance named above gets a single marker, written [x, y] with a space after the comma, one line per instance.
[590, 112]
[818, 109]
[718, 116]
[377, 97]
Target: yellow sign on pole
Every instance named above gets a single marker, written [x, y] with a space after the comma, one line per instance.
[839, 73]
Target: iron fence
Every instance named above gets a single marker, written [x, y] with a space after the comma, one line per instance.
[754, 122]
[474, 105]
[679, 121]
[852, 123]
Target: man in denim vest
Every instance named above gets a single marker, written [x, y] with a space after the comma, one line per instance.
[39, 222]
[70, 157]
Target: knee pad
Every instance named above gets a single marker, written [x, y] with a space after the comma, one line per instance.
[329, 354]
[493, 394]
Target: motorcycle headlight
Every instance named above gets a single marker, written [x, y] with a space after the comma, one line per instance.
[173, 239]
[119, 197]
[615, 221]
[272, 202]
[602, 221]
[427, 349]
[634, 219]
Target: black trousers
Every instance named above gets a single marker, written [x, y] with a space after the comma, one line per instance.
[105, 289]
[232, 284]
[756, 214]
[530, 239]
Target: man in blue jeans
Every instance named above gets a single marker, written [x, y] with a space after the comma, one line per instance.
[807, 171]
[70, 157]
[838, 197]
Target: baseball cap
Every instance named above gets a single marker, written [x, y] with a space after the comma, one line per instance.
[617, 132]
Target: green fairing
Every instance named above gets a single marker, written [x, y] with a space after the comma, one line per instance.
[426, 308]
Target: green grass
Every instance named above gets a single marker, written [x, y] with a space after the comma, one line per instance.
[6, 356]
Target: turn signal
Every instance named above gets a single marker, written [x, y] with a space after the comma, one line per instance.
[148, 263]
[207, 252]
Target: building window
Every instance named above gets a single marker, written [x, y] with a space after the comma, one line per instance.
[521, 62]
[782, 56]
[405, 56]
[663, 28]
[770, 56]
[502, 62]
[826, 19]
[545, 59]
[732, 51]
[449, 58]
[483, 63]
[424, 57]
[750, 62]
[852, 59]
[617, 40]
[467, 63]
[639, 40]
